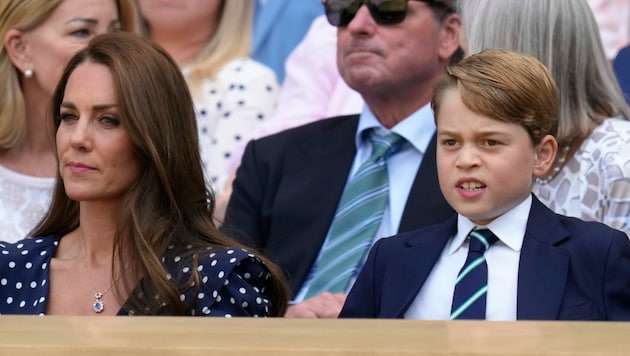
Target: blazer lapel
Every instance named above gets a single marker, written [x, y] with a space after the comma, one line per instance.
[543, 267]
[426, 204]
[406, 272]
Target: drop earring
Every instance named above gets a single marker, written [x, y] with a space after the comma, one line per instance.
[28, 73]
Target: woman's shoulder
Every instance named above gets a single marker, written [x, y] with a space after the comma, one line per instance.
[216, 264]
[609, 141]
[611, 132]
[220, 262]
[24, 273]
[29, 247]
[607, 151]
[28, 256]
[234, 282]
[247, 67]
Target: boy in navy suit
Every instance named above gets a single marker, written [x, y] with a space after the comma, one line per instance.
[496, 112]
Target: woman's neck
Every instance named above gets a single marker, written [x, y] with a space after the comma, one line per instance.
[34, 154]
[185, 44]
[97, 230]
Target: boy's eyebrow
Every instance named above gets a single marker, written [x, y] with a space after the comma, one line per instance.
[489, 132]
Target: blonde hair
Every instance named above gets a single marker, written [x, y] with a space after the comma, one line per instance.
[506, 86]
[26, 15]
[232, 39]
[564, 36]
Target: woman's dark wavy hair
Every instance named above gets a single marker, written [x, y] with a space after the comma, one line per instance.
[170, 203]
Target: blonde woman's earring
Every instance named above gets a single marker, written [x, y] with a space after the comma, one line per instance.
[28, 73]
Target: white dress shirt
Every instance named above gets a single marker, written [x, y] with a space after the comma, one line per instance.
[436, 295]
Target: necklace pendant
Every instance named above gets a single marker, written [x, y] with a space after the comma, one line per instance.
[98, 305]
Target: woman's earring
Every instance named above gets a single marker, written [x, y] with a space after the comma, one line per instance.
[28, 73]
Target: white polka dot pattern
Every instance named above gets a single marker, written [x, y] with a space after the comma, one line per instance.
[239, 291]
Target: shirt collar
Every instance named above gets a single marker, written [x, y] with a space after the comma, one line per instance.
[509, 227]
[417, 129]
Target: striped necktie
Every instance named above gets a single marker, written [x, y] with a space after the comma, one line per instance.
[357, 219]
[471, 287]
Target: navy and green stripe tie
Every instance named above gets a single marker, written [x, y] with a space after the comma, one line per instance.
[357, 219]
[471, 287]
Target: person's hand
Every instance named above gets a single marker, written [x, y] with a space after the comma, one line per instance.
[222, 201]
[325, 305]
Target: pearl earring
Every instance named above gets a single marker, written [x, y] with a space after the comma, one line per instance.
[28, 73]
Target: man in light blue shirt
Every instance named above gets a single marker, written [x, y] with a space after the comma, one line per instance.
[288, 189]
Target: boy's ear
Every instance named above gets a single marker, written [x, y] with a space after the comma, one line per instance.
[15, 44]
[546, 152]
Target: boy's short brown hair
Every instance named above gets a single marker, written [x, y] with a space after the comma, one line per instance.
[507, 86]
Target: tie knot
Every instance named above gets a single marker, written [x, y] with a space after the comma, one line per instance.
[384, 145]
[481, 240]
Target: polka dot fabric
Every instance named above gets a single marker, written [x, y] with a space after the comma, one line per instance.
[230, 109]
[234, 280]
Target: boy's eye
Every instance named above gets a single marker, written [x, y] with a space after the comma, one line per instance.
[449, 142]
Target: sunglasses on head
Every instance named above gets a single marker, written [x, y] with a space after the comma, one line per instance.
[384, 12]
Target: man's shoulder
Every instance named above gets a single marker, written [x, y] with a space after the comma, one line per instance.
[318, 130]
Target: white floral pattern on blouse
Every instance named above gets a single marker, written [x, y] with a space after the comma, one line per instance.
[595, 183]
[229, 110]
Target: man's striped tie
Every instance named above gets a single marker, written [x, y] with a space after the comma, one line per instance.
[357, 218]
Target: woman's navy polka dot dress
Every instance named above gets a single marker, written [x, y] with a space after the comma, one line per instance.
[234, 281]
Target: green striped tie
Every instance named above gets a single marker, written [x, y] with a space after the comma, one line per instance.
[471, 287]
[357, 219]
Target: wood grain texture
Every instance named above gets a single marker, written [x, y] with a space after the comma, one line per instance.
[54, 335]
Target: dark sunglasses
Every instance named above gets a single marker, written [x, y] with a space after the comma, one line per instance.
[384, 12]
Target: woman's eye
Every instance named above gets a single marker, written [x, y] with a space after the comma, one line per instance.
[81, 33]
[67, 117]
[109, 121]
[449, 142]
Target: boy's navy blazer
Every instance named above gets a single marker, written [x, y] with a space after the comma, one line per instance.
[289, 184]
[569, 270]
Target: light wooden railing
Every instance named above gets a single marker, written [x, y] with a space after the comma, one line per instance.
[69, 336]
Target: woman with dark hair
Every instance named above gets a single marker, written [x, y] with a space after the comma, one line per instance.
[38, 39]
[130, 228]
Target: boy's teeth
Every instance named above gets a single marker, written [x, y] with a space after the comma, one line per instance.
[471, 185]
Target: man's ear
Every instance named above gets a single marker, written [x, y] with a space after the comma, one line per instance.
[546, 152]
[449, 36]
[17, 49]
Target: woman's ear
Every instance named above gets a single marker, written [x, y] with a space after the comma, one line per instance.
[17, 49]
[546, 152]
